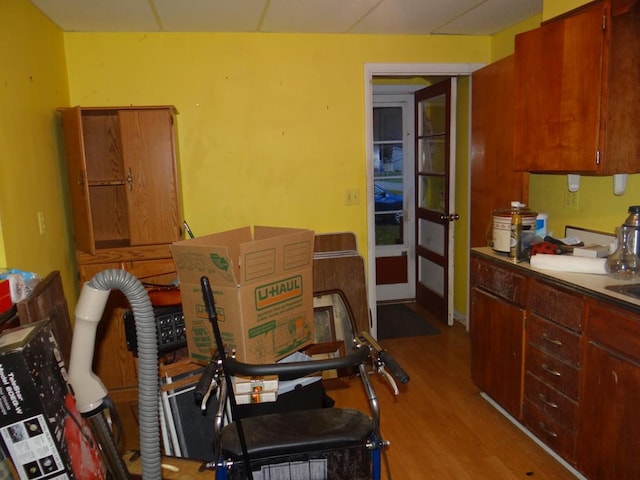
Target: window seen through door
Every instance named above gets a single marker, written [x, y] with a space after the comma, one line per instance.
[388, 166]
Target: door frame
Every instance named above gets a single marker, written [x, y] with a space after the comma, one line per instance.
[372, 70]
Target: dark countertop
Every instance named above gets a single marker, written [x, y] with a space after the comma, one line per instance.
[586, 283]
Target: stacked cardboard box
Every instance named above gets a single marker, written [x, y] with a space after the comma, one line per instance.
[262, 285]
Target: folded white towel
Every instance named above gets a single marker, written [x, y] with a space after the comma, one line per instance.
[568, 263]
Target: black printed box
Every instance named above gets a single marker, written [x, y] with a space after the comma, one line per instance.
[40, 428]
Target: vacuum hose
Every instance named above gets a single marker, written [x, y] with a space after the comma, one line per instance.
[89, 390]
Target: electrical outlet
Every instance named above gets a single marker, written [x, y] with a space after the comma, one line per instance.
[41, 223]
[571, 200]
[352, 196]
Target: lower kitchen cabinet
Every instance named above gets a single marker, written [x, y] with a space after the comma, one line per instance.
[563, 361]
[496, 328]
[610, 409]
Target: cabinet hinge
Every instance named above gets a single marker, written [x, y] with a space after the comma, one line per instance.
[597, 157]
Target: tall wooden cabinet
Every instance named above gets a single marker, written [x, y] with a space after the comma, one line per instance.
[577, 96]
[123, 186]
[492, 160]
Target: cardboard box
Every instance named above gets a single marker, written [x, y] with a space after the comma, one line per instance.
[262, 286]
[40, 427]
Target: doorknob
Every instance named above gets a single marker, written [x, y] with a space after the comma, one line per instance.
[450, 218]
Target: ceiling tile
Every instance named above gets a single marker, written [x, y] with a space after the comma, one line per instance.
[412, 16]
[315, 16]
[492, 16]
[210, 15]
[100, 15]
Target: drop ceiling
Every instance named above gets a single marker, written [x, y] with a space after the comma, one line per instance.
[402, 17]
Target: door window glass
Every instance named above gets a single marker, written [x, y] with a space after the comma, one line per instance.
[388, 165]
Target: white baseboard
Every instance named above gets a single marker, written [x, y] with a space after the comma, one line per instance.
[541, 444]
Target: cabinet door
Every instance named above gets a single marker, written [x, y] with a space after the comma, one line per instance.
[559, 70]
[148, 152]
[610, 432]
[77, 179]
[492, 160]
[497, 343]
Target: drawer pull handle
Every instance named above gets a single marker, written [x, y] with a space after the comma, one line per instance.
[547, 430]
[550, 370]
[548, 402]
[555, 341]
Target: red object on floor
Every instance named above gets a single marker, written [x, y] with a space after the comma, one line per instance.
[5, 296]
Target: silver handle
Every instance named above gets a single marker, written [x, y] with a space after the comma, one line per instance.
[549, 339]
[547, 430]
[449, 218]
[550, 370]
[544, 400]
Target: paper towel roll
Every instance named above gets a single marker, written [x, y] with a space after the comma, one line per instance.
[569, 263]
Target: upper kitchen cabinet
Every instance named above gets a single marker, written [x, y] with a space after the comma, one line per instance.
[577, 95]
[123, 184]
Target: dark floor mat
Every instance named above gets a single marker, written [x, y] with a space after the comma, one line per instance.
[397, 320]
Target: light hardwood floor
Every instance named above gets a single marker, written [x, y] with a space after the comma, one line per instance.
[439, 426]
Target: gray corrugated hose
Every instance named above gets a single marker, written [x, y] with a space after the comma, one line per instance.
[148, 386]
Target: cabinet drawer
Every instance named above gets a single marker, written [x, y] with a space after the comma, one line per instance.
[618, 329]
[561, 440]
[558, 305]
[500, 281]
[554, 404]
[552, 371]
[553, 338]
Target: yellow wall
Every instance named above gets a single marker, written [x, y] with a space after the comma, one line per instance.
[33, 82]
[502, 42]
[271, 126]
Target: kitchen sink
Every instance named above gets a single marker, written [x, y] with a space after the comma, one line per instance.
[632, 290]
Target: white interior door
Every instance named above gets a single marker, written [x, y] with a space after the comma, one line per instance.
[393, 193]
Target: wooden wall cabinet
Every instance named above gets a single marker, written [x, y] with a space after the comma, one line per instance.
[121, 167]
[123, 184]
[577, 95]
